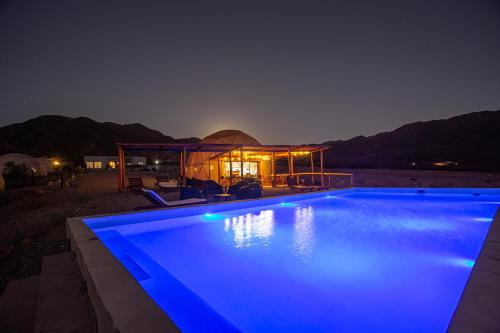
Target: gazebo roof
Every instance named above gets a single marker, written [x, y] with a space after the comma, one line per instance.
[218, 147]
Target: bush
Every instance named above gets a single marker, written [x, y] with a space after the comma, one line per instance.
[15, 171]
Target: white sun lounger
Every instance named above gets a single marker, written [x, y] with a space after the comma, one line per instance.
[157, 200]
[170, 184]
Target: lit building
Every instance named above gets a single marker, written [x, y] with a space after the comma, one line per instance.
[111, 162]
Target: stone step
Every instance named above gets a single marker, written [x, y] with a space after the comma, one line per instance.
[63, 304]
[18, 305]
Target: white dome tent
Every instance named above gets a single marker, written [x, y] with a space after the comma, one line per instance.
[198, 164]
[29, 161]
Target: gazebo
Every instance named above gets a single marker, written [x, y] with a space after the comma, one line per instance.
[230, 155]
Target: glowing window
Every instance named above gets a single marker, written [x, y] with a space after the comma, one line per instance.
[249, 168]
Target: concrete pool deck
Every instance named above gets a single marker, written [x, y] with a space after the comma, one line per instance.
[121, 305]
[479, 306]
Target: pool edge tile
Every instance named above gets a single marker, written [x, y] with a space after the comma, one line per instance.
[479, 307]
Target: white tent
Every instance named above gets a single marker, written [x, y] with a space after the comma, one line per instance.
[197, 165]
[28, 161]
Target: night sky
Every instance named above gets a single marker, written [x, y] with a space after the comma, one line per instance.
[285, 73]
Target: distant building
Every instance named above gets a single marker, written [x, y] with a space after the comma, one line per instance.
[111, 162]
[445, 163]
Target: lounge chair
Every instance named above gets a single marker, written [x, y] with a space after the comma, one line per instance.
[211, 188]
[159, 202]
[166, 184]
[233, 189]
[135, 184]
[195, 183]
[190, 193]
[251, 191]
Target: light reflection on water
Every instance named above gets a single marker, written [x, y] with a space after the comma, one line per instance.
[250, 227]
[303, 232]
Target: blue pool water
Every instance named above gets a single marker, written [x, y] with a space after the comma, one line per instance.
[371, 260]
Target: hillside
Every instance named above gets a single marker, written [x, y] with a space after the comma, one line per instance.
[74, 137]
[471, 140]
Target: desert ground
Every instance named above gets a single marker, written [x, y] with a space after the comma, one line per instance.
[33, 218]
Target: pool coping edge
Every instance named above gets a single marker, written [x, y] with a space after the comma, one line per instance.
[479, 307]
[120, 303]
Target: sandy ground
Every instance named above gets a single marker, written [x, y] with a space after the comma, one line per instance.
[422, 178]
[32, 219]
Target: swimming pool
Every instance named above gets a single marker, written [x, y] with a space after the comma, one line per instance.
[365, 260]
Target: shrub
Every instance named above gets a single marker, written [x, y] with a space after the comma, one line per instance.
[15, 171]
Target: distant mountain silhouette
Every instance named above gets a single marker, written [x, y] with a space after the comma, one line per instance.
[470, 142]
[74, 137]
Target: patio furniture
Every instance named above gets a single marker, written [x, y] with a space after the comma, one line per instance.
[251, 191]
[195, 183]
[159, 202]
[190, 192]
[211, 188]
[166, 184]
[135, 184]
[233, 189]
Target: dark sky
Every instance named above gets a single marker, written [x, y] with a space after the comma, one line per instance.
[286, 72]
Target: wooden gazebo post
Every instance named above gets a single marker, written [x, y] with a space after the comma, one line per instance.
[209, 169]
[312, 168]
[218, 170]
[290, 171]
[230, 169]
[184, 158]
[241, 162]
[121, 169]
[273, 170]
[321, 167]
[181, 167]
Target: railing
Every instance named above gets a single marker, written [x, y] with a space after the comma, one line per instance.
[328, 179]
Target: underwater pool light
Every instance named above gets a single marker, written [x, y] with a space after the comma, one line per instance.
[484, 219]
[466, 262]
[211, 216]
[288, 204]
